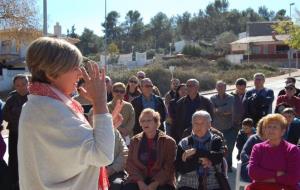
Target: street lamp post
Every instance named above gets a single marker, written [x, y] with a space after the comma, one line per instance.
[45, 32]
[170, 44]
[290, 54]
[105, 38]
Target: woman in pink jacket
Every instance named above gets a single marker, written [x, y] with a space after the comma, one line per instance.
[274, 164]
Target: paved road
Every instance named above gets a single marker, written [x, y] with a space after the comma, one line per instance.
[276, 83]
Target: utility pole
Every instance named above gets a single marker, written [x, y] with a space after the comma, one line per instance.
[45, 32]
[105, 39]
[290, 53]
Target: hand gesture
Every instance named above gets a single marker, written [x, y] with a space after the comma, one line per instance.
[116, 115]
[188, 153]
[206, 163]
[95, 90]
[142, 185]
[153, 185]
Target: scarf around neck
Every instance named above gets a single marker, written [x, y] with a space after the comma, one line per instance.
[43, 89]
[200, 143]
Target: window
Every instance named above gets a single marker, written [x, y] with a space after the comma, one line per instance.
[6, 46]
[266, 49]
[282, 49]
[255, 50]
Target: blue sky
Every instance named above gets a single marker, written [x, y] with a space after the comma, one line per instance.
[90, 13]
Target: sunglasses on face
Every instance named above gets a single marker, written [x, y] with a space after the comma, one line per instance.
[148, 86]
[289, 88]
[190, 85]
[133, 81]
[119, 91]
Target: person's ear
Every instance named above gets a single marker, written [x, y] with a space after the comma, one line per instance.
[50, 78]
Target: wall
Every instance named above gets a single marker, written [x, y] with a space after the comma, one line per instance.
[6, 82]
[235, 58]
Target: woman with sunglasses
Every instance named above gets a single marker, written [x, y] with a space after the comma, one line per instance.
[127, 111]
[290, 99]
[132, 89]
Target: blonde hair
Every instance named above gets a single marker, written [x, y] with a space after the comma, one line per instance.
[118, 85]
[275, 118]
[53, 57]
[259, 127]
[155, 114]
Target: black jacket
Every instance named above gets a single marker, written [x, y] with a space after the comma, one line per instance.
[12, 110]
[215, 154]
[184, 113]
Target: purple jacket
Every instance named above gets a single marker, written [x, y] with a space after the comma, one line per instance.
[265, 161]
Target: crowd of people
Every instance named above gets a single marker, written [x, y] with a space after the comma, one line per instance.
[72, 127]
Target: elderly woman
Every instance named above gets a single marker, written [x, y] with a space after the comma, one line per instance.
[198, 154]
[127, 111]
[259, 137]
[274, 163]
[151, 156]
[58, 148]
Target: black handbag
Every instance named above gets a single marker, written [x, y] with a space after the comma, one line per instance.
[222, 180]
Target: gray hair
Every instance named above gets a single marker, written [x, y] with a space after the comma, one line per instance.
[195, 81]
[145, 80]
[202, 113]
[220, 82]
[259, 75]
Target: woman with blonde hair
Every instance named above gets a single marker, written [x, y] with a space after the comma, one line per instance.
[274, 163]
[127, 111]
[58, 148]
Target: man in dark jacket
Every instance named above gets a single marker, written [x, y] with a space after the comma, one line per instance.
[147, 100]
[187, 106]
[258, 101]
[11, 114]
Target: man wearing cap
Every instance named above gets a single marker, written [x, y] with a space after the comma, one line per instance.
[290, 99]
[258, 101]
[290, 80]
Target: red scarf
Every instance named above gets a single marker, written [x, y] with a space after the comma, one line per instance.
[43, 89]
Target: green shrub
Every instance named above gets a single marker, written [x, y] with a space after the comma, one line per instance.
[223, 64]
[194, 51]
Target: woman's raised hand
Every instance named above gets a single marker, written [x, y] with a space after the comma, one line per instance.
[95, 89]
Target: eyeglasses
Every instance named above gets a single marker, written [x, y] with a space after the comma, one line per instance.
[148, 86]
[190, 85]
[146, 120]
[119, 91]
[141, 77]
[133, 81]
